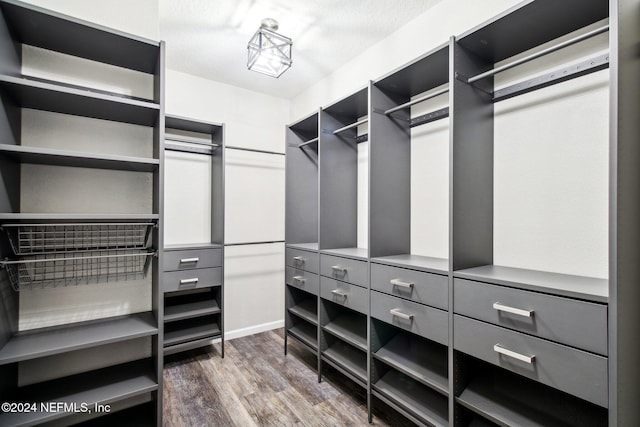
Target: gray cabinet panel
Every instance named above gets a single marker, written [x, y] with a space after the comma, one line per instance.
[425, 288]
[345, 269]
[304, 260]
[573, 371]
[576, 323]
[425, 321]
[302, 280]
[192, 258]
[191, 279]
[350, 296]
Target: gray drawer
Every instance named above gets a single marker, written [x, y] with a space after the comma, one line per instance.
[345, 269]
[191, 279]
[425, 288]
[574, 371]
[427, 322]
[351, 296]
[192, 258]
[304, 260]
[567, 321]
[303, 280]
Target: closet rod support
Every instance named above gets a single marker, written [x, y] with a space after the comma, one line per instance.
[536, 55]
[417, 101]
[352, 125]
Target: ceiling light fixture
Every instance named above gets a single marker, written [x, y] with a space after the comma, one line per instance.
[269, 52]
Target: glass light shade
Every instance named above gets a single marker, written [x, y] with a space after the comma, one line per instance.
[269, 53]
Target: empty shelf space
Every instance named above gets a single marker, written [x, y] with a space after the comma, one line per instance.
[421, 360]
[104, 386]
[356, 253]
[350, 327]
[190, 345]
[581, 287]
[306, 333]
[46, 342]
[191, 329]
[348, 358]
[306, 309]
[415, 397]
[417, 262]
[508, 399]
[41, 95]
[48, 156]
[313, 246]
[189, 310]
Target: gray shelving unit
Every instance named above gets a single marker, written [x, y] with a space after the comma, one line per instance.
[193, 277]
[41, 255]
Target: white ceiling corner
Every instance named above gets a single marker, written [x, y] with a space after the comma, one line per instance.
[208, 38]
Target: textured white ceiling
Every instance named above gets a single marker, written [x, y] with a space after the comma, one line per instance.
[208, 38]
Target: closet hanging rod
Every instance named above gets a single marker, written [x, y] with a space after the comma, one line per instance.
[417, 101]
[536, 55]
[311, 141]
[253, 150]
[190, 141]
[352, 125]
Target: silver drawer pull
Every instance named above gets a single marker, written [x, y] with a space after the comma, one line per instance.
[397, 313]
[512, 310]
[187, 281]
[299, 259]
[186, 260]
[339, 269]
[501, 350]
[299, 279]
[339, 293]
[401, 284]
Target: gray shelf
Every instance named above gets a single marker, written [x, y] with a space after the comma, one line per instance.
[50, 341]
[181, 247]
[41, 95]
[199, 126]
[420, 360]
[306, 309]
[76, 217]
[48, 156]
[304, 246]
[348, 358]
[191, 333]
[355, 253]
[586, 288]
[179, 348]
[351, 327]
[416, 262]
[306, 333]
[206, 307]
[415, 397]
[104, 386]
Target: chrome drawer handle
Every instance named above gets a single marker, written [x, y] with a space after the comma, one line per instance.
[339, 269]
[401, 284]
[299, 279]
[299, 259]
[397, 313]
[339, 293]
[186, 260]
[512, 310]
[506, 352]
[187, 281]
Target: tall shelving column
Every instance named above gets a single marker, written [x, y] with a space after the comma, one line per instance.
[69, 221]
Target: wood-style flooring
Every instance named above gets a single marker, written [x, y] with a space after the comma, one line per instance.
[257, 385]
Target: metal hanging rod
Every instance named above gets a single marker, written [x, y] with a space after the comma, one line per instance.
[543, 52]
[417, 101]
[352, 125]
[311, 141]
[253, 150]
[190, 141]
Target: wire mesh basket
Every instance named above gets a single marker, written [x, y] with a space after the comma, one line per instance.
[27, 239]
[65, 269]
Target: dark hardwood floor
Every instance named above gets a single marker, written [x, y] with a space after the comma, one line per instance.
[257, 385]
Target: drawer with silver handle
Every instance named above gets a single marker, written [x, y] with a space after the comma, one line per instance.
[304, 260]
[567, 321]
[425, 288]
[345, 269]
[422, 320]
[573, 371]
[345, 294]
[192, 258]
[302, 280]
[191, 279]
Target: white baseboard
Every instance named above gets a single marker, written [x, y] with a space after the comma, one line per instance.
[251, 330]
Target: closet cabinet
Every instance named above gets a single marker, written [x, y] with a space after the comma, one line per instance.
[81, 213]
[193, 277]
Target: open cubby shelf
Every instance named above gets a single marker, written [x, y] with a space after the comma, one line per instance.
[190, 329]
[355, 253]
[350, 327]
[306, 309]
[416, 262]
[205, 307]
[306, 333]
[348, 358]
